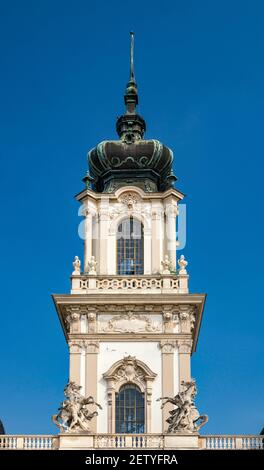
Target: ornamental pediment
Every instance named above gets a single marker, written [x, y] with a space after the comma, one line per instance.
[129, 369]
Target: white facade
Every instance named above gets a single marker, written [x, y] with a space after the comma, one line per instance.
[111, 352]
[144, 324]
[103, 214]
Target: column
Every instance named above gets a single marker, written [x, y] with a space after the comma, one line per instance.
[103, 235]
[157, 239]
[167, 351]
[91, 355]
[185, 349]
[147, 250]
[76, 347]
[88, 238]
[111, 407]
[171, 213]
[148, 395]
[111, 251]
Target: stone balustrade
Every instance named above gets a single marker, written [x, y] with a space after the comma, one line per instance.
[131, 441]
[223, 442]
[20, 442]
[158, 284]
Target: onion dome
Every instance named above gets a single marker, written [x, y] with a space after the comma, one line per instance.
[131, 160]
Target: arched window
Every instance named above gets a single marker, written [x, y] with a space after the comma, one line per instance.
[130, 410]
[130, 247]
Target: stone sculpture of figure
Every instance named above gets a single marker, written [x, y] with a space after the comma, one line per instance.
[92, 265]
[185, 417]
[182, 263]
[166, 265]
[77, 266]
[74, 416]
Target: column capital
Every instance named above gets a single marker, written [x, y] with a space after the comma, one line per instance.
[76, 346]
[184, 346]
[157, 214]
[104, 215]
[87, 211]
[72, 318]
[168, 318]
[167, 346]
[171, 210]
[90, 212]
[92, 347]
[187, 317]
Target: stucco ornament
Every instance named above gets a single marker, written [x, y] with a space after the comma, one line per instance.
[74, 415]
[129, 199]
[92, 265]
[185, 417]
[166, 265]
[129, 323]
[76, 266]
[182, 263]
[70, 318]
[129, 370]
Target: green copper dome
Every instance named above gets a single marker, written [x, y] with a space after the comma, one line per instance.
[131, 159]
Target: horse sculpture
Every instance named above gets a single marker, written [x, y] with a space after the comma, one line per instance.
[185, 417]
[74, 415]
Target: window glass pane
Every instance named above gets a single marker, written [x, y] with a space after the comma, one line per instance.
[130, 245]
[130, 410]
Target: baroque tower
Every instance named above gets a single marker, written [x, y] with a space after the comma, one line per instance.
[130, 322]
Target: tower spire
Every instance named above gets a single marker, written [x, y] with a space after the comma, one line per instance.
[131, 96]
[132, 72]
[130, 126]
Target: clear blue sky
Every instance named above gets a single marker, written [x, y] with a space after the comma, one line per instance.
[199, 67]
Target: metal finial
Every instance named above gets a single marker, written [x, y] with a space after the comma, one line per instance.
[132, 73]
[131, 96]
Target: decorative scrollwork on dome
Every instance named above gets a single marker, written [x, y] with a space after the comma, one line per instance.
[141, 162]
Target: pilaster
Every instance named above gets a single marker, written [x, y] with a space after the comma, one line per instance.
[171, 213]
[76, 348]
[88, 238]
[184, 349]
[157, 237]
[103, 234]
[167, 350]
[147, 251]
[91, 375]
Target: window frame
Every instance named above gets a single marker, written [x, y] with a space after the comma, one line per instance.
[140, 410]
[123, 248]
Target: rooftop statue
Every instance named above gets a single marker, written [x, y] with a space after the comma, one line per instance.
[185, 417]
[74, 415]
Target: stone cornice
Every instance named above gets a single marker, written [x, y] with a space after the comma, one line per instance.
[93, 301]
[87, 193]
[150, 337]
[123, 298]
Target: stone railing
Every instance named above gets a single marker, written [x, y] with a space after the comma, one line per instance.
[224, 442]
[134, 284]
[129, 441]
[106, 441]
[19, 442]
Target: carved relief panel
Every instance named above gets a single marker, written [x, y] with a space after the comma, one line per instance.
[129, 322]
